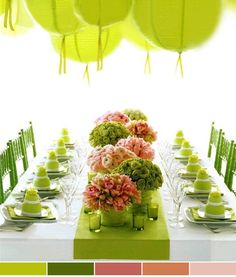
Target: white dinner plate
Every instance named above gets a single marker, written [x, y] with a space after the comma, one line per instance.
[53, 186]
[189, 189]
[4, 212]
[18, 211]
[201, 213]
[190, 218]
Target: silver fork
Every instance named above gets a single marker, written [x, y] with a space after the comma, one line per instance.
[217, 230]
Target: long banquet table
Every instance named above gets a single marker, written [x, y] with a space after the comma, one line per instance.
[54, 241]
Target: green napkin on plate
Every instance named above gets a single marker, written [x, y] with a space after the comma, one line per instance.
[196, 217]
[11, 212]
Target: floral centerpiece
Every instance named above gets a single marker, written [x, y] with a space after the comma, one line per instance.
[135, 114]
[141, 129]
[144, 173]
[108, 133]
[105, 159]
[139, 146]
[113, 116]
[111, 194]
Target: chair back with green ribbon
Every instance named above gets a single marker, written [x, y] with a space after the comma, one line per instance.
[225, 156]
[215, 142]
[19, 156]
[29, 140]
[7, 180]
[232, 170]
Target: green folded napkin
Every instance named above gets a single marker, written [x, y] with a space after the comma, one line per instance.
[182, 158]
[196, 217]
[11, 212]
[188, 175]
[64, 157]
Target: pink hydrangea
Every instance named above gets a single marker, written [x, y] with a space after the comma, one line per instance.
[108, 192]
[105, 159]
[113, 116]
[141, 129]
[139, 146]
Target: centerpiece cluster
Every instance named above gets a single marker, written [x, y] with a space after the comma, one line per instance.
[121, 163]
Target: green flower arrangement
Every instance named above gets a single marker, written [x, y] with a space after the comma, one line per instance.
[135, 114]
[144, 173]
[108, 133]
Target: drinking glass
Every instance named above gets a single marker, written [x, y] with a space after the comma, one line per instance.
[178, 195]
[68, 186]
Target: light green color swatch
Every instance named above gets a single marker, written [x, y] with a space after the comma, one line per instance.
[23, 268]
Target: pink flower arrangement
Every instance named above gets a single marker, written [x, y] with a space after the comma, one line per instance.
[113, 116]
[139, 146]
[111, 192]
[141, 129]
[105, 159]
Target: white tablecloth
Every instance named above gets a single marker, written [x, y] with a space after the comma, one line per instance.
[54, 241]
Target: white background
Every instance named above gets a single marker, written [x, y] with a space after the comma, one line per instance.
[31, 88]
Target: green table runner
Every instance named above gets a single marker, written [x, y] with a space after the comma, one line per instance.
[123, 242]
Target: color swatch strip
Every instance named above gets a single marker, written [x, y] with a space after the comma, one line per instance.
[166, 268]
[71, 268]
[23, 268]
[118, 268]
[212, 268]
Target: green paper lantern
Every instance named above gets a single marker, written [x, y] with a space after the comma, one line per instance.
[132, 34]
[16, 17]
[102, 13]
[57, 17]
[231, 4]
[177, 25]
[2, 6]
[83, 47]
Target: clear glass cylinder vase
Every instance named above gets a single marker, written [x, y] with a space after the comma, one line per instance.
[113, 218]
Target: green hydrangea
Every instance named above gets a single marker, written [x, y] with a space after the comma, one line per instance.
[145, 173]
[108, 133]
[135, 114]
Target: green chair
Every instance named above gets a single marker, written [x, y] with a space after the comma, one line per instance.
[18, 153]
[29, 140]
[225, 156]
[215, 142]
[232, 170]
[7, 179]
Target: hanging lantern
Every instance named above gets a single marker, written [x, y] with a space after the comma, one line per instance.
[231, 4]
[83, 47]
[177, 25]
[2, 6]
[57, 17]
[102, 13]
[16, 18]
[131, 33]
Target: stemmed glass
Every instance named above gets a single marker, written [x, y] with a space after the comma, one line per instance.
[178, 195]
[68, 186]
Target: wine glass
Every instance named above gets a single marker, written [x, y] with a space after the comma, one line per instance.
[178, 195]
[68, 186]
